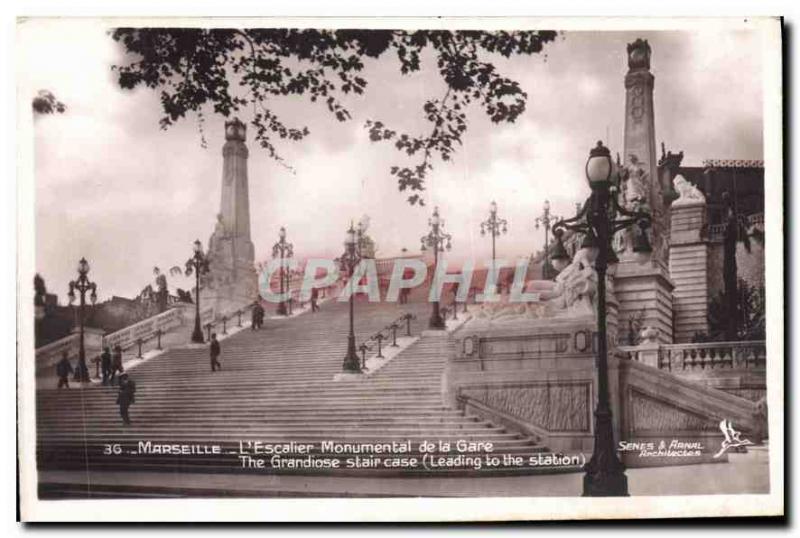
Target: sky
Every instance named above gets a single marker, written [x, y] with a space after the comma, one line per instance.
[112, 186]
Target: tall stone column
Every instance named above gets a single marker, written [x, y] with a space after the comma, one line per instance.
[644, 291]
[232, 281]
[235, 196]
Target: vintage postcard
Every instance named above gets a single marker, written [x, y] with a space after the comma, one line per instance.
[400, 269]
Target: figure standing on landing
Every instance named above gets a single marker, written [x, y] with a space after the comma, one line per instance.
[314, 299]
[215, 352]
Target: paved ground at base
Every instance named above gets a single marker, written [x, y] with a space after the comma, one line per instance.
[748, 475]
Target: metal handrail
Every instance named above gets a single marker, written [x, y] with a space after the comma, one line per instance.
[379, 336]
[224, 319]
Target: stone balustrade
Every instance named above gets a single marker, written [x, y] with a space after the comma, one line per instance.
[716, 232]
[166, 328]
[679, 358]
[48, 355]
[148, 328]
[735, 367]
[734, 355]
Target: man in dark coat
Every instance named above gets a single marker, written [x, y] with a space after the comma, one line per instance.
[63, 369]
[116, 362]
[254, 317]
[125, 397]
[105, 364]
[215, 351]
[258, 316]
[314, 299]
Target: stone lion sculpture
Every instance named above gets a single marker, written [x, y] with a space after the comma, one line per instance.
[687, 193]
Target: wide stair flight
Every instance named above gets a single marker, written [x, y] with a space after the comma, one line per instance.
[276, 386]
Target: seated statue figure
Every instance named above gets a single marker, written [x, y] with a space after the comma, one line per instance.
[499, 310]
[570, 294]
[572, 291]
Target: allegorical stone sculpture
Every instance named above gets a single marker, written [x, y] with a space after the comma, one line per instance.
[572, 293]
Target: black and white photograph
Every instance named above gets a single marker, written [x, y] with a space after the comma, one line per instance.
[317, 261]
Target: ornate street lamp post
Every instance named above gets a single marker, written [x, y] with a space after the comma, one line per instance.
[82, 284]
[494, 226]
[545, 220]
[282, 249]
[598, 222]
[437, 240]
[360, 232]
[349, 261]
[197, 264]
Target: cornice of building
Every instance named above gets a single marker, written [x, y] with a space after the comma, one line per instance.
[732, 163]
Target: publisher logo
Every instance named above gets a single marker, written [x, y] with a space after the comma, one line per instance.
[732, 439]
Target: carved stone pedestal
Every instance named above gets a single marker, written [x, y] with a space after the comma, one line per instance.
[688, 267]
[534, 376]
[644, 292]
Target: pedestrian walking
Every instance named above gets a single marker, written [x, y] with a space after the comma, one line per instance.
[404, 295]
[105, 364]
[257, 316]
[63, 369]
[125, 397]
[454, 291]
[116, 362]
[314, 298]
[215, 352]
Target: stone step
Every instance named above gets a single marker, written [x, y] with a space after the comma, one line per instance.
[199, 399]
[126, 436]
[383, 433]
[298, 372]
[278, 351]
[340, 414]
[145, 421]
[364, 386]
[235, 375]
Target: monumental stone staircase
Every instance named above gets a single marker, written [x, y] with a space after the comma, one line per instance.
[276, 386]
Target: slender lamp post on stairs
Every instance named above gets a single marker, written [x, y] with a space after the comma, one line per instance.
[437, 240]
[197, 264]
[598, 222]
[545, 220]
[282, 249]
[82, 284]
[494, 226]
[349, 261]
